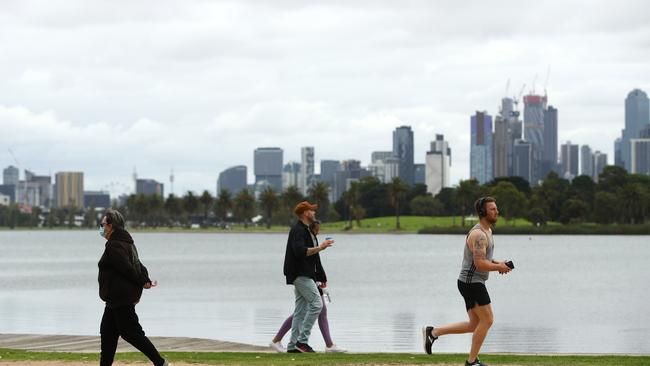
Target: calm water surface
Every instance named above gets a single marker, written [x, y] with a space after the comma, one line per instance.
[569, 294]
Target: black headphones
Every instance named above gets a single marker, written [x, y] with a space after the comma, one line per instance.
[480, 208]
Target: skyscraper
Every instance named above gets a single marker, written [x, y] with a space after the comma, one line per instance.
[637, 117]
[618, 152]
[534, 106]
[10, 175]
[438, 165]
[640, 156]
[328, 169]
[268, 167]
[403, 150]
[501, 142]
[291, 175]
[69, 189]
[569, 160]
[549, 154]
[233, 179]
[384, 166]
[522, 160]
[586, 161]
[481, 147]
[600, 162]
[351, 172]
[306, 168]
[507, 130]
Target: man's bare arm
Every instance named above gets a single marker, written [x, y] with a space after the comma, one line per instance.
[478, 244]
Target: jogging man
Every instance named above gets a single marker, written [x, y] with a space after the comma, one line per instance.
[476, 267]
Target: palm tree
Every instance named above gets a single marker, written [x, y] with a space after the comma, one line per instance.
[244, 206]
[269, 202]
[223, 204]
[351, 200]
[396, 192]
[206, 200]
[190, 204]
[173, 210]
[319, 194]
[290, 198]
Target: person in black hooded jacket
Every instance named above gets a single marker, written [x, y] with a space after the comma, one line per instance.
[121, 279]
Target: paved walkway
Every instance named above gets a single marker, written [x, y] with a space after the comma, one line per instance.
[68, 343]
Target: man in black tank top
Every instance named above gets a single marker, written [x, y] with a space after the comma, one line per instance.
[477, 264]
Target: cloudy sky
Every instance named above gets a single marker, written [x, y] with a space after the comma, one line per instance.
[103, 87]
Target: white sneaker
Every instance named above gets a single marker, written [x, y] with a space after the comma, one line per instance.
[335, 349]
[277, 347]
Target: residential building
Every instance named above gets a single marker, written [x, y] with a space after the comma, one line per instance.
[149, 187]
[69, 189]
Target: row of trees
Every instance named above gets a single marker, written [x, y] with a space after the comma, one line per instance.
[618, 197]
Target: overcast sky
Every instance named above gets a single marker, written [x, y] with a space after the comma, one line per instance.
[103, 87]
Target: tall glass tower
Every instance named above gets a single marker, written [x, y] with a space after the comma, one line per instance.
[637, 117]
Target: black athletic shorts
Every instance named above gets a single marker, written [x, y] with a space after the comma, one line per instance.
[473, 293]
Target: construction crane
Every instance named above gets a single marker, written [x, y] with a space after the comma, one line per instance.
[517, 97]
[548, 74]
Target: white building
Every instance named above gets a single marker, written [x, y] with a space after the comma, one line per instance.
[438, 165]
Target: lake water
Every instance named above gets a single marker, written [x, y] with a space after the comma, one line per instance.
[568, 294]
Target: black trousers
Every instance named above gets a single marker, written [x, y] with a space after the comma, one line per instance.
[123, 321]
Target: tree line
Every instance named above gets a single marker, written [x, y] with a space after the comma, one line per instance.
[617, 198]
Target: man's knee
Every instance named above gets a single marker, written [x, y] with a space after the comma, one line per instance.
[487, 320]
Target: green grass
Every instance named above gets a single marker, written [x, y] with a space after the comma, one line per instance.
[410, 224]
[227, 358]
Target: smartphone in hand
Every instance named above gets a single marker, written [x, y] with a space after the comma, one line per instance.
[510, 264]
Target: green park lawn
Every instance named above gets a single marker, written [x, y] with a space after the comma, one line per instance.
[258, 359]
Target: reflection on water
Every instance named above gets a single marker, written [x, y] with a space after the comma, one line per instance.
[568, 294]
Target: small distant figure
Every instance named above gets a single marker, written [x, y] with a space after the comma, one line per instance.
[121, 279]
[302, 269]
[323, 323]
[476, 267]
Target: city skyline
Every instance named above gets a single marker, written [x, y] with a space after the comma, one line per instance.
[221, 79]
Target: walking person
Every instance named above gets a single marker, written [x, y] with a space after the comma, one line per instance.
[121, 279]
[302, 268]
[323, 323]
[476, 267]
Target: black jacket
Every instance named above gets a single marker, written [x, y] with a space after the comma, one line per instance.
[121, 275]
[296, 261]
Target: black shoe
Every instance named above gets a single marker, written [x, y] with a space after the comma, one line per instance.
[293, 351]
[475, 363]
[428, 339]
[304, 348]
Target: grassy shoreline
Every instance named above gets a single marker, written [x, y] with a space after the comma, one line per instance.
[231, 358]
[411, 225]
